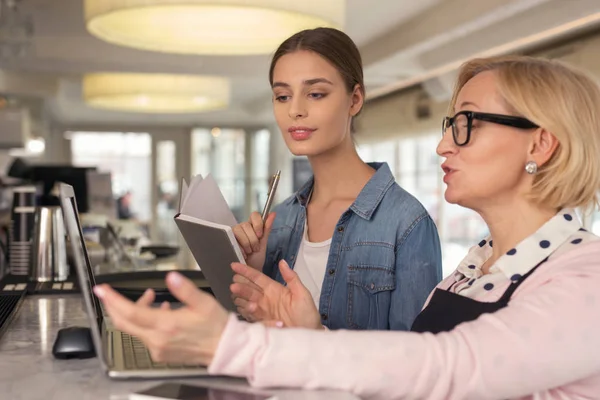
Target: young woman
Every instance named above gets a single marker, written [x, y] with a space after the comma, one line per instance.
[518, 319]
[362, 261]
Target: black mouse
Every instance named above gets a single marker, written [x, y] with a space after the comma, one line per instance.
[73, 342]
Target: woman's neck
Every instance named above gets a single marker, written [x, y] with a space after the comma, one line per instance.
[339, 173]
[511, 223]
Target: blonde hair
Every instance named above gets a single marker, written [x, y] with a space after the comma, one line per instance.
[565, 102]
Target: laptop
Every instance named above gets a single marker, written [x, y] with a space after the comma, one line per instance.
[121, 355]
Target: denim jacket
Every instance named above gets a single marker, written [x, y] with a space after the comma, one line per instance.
[383, 261]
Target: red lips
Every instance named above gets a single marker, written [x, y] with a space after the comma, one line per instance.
[301, 132]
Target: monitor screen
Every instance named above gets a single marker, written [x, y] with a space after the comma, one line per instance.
[80, 254]
[49, 175]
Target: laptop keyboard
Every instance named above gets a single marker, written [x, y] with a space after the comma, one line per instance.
[137, 356]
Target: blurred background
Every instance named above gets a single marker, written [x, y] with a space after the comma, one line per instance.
[135, 91]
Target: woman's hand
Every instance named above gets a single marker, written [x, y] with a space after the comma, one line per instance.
[188, 335]
[252, 236]
[260, 298]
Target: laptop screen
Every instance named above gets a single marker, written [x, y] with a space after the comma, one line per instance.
[83, 266]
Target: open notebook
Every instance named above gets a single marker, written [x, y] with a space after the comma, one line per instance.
[205, 221]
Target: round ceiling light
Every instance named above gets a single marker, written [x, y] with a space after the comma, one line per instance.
[156, 92]
[216, 27]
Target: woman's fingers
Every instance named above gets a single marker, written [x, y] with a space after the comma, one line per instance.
[242, 239]
[146, 298]
[252, 237]
[125, 314]
[258, 225]
[242, 280]
[246, 292]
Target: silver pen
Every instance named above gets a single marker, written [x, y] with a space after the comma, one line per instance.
[271, 195]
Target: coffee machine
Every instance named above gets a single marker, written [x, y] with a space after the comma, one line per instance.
[37, 240]
[20, 231]
[49, 250]
[5, 218]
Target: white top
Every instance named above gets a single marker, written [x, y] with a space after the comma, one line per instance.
[311, 264]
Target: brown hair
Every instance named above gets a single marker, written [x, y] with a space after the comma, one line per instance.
[565, 102]
[331, 44]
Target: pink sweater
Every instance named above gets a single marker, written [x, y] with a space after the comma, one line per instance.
[544, 345]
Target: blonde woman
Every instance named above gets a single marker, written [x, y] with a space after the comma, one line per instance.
[520, 316]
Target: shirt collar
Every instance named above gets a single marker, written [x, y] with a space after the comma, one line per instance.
[528, 253]
[369, 197]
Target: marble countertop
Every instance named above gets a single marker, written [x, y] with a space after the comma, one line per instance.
[28, 370]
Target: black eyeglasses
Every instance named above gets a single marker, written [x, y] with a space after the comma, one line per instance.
[462, 122]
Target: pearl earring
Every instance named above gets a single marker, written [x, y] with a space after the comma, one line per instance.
[531, 167]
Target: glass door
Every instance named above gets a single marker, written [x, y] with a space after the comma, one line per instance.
[170, 163]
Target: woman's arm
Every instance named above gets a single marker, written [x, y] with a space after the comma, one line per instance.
[545, 338]
[418, 271]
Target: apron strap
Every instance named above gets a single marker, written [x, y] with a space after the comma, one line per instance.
[514, 285]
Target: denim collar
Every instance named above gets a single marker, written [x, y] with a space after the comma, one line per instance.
[369, 197]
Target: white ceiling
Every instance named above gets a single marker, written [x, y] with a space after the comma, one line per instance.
[399, 39]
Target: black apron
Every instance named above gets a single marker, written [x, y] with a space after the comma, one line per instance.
[446, 310]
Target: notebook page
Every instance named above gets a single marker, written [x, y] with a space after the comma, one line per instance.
[196, 180]
[182, 193]
[204, 200]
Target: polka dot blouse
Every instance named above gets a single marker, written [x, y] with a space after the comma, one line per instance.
[560, 234]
